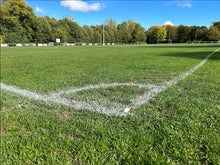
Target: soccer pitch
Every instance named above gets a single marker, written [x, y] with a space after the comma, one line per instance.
[63, 105]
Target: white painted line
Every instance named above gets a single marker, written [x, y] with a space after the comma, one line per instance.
[116, 108]
[137, 102]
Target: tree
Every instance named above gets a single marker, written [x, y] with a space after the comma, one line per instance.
[17, 17]
[138, 33]
[157, 33]
[193, 33]
[182, 33]
[110, 27]
[60, 32]
[124, 33]
[217, 24]
[213, 34]
[43, 30]
[1, 39]
[89, 33]
[97, 37]
[131, 27]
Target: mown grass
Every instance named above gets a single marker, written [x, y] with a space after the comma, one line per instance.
[180, 126]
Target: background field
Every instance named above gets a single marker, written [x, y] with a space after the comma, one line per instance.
[181, 125]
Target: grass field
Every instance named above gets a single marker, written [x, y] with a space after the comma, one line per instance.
[181, 125]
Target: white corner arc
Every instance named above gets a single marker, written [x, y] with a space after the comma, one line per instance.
[116, 109]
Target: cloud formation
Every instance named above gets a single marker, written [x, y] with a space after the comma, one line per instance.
[79, 5]
[40, 10]
[168, 23]
[189, 5]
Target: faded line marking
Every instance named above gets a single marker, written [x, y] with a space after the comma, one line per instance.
[115, 109]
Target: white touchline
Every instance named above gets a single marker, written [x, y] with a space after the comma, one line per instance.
[116, 108]
[137, 102]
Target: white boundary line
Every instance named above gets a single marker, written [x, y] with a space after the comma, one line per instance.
[115, 109]
[137, 102]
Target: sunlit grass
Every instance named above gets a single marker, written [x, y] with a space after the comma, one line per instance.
[180, 126]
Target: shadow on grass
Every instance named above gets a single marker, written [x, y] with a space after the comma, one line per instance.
[194, 55]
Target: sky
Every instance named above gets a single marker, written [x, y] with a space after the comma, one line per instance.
[145, 12]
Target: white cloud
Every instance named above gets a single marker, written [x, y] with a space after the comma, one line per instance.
[168, 23]
[189, 5]
[79, 5]
[40, 10]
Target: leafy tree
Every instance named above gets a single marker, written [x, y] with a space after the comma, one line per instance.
[124, 33]
[107, 37]
[138, 33]
[17, 17]
[171, 32]
[97, 37]
[213, 34]
[110, 26]
[182, 33]
[157, 33]
[1, 39]
[60, 32]
[88, 34]
[131, 27]
[217, 24]
[43, 30]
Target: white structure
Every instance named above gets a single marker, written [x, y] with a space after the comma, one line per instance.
[51, 44]
[57, 40]
[90, 44]
[39, 44]
[18, 44]
[4, 45]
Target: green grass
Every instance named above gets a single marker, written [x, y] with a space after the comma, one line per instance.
[180, 126]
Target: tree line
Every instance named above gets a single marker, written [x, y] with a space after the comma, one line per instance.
[20, 24]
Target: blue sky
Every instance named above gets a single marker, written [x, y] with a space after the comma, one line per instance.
[147, 13]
